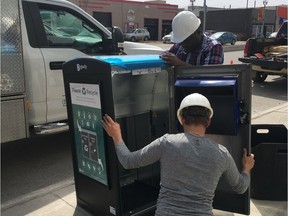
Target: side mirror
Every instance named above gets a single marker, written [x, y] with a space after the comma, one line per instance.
[117, 39]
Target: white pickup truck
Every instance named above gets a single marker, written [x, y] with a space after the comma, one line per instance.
[37, 37]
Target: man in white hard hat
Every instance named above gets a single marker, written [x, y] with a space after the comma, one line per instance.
[191, 163]
[191, 47]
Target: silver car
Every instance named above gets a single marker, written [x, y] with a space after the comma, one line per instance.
[137, 34]
[167, 38]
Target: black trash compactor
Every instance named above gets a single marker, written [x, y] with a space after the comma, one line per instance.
[143, 94]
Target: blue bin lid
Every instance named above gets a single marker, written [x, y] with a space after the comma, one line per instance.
[206, 82]
[134, 62]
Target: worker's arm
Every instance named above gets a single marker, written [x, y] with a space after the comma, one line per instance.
[239, 181]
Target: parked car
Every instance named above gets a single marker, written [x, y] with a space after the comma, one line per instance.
[137, 34]
[167, 38]
[225, 37]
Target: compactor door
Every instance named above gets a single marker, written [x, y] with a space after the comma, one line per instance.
[228, 88]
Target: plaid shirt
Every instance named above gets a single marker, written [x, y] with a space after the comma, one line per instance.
[211, 52]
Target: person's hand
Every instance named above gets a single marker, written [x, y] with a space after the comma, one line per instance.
[247, 162]
[173, 60]
[112, 128]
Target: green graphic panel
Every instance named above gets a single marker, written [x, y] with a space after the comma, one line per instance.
[89, 138]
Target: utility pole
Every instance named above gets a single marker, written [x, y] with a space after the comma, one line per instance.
[204, 18]
[192, 2]
[265, 2]
[247, 4]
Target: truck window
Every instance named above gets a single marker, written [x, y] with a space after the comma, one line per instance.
[63, 29]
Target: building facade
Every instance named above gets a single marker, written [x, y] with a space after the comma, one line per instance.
[245, 22]
[155, 16]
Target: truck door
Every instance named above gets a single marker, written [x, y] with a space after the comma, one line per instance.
[61, 33]
[229, 91]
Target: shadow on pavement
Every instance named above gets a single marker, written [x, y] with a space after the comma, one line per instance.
[31, 165]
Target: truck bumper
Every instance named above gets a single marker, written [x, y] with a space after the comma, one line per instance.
[267, 66]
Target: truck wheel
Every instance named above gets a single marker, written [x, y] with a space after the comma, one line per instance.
[258, 77]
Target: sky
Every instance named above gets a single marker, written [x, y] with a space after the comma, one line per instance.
[226, 3]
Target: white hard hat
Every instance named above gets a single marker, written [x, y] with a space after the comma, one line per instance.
[184, 24]
[194, 99]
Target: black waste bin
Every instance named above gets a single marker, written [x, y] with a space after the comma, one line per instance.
[137, 100]
[142, 101]
[269, 175]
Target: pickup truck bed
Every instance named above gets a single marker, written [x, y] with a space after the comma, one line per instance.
[267, 56]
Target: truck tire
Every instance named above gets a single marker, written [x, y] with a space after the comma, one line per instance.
[259, 77]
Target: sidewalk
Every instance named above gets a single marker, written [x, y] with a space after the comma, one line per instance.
[61, 201]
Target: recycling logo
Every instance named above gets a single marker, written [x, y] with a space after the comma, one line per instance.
[83, 91]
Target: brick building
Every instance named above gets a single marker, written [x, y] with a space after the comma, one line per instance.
[156, 16]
